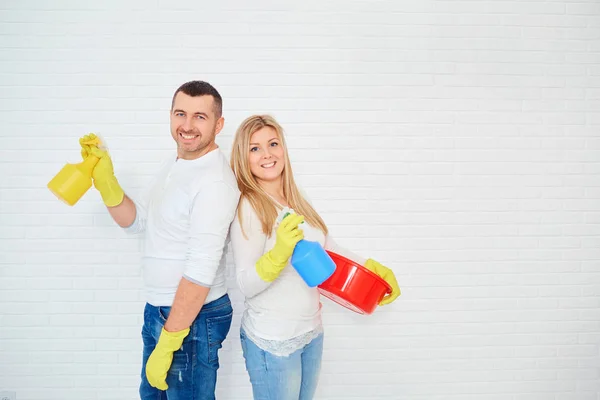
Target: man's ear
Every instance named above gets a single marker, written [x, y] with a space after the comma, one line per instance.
[220, 125]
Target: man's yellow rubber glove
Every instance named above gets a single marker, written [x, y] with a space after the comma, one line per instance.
[270, 265]
[161, 358]
[387, 275]
[104, 176]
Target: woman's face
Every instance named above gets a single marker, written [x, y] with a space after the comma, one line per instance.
[266, 156]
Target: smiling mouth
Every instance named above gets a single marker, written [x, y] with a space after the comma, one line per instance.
[270, 165]
[188, 136]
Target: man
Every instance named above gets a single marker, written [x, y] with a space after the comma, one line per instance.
[185, 216]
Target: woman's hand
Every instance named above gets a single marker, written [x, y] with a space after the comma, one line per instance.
[270, 265]
[387, 275]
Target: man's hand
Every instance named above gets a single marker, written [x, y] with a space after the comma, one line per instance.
[161, 358]
[104, 176]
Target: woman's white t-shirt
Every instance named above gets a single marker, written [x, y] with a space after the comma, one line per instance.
[280, 316]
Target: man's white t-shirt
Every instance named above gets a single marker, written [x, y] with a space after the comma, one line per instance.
[185, 215]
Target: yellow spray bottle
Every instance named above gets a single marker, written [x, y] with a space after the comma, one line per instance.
[74, 180]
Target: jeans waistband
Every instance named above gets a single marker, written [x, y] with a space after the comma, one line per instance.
[218, 303]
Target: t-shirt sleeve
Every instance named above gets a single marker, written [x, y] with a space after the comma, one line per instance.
[333, 246]
[212, 211]
[247, 250]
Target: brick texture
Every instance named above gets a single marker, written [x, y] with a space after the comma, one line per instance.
[455, 141]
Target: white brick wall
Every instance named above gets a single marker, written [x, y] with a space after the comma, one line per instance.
[456, 141]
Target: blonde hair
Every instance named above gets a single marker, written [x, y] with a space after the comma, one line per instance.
[266, 208]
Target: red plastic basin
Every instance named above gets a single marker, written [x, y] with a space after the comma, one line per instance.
[354, 286]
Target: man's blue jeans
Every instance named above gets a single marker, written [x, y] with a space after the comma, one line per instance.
[294, 377]
[193, 373]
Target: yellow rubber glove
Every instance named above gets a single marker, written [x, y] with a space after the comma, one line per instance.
[103, 174]
[270, 265]
[161, 358]
[387, 275]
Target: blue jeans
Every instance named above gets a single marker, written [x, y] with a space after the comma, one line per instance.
[294, 377]
[193, 373]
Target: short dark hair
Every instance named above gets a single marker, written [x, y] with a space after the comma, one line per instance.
[201, 88]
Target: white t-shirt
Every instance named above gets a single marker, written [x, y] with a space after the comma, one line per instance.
[285, 314]
[185, 215]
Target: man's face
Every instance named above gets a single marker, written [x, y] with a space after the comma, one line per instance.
[194, 125]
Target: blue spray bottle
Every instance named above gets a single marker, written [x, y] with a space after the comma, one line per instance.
[312, 262]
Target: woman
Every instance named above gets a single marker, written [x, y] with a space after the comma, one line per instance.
[281, 332]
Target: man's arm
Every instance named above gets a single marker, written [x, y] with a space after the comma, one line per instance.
[121, 208]
[188, 302]
[213, 210]
[131, 214]
[123, 214]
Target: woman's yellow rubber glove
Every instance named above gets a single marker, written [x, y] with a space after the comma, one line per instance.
[161, 358]
[387, 275]
[270, 265]
[104, 177]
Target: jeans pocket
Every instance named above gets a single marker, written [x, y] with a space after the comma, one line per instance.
[163, 313]
[217, 328]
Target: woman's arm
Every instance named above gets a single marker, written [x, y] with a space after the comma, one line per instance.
[331, 245]
[384, 272]
[247, 250]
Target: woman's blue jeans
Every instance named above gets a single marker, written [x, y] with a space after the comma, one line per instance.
[293, 377]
